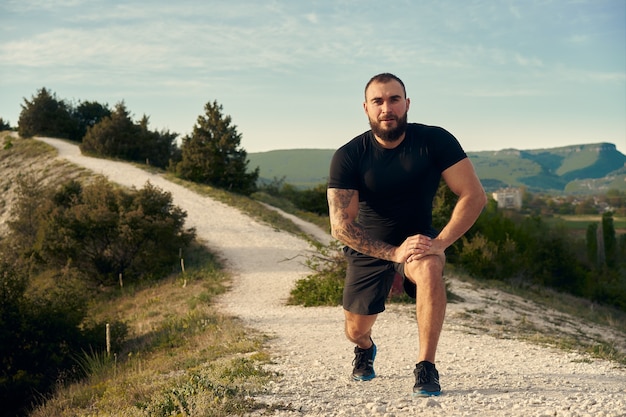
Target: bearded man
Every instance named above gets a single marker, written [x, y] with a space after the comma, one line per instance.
[380, 195]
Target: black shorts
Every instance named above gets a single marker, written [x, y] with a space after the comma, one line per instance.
[368, 282]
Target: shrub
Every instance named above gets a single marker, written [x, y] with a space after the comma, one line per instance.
[105, 232]
[39, 330]
[325, 285]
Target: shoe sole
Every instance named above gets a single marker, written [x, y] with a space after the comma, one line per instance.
[423, 394]
[363, 378]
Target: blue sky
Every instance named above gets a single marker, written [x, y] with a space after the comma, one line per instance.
[498, 74]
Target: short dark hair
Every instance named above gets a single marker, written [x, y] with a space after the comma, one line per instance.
[384, 77]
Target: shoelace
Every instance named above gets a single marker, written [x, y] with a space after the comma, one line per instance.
[361, 360]
[422, 375]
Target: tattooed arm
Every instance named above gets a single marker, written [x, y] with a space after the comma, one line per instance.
[343, 208]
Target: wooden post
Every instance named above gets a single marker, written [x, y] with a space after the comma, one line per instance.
[182, 265]
[121, 281]
[108, 338]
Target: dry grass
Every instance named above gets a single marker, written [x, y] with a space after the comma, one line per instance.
[182, 356]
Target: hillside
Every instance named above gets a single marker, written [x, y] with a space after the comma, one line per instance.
[495, 357]
[590, 168]
[26, 157]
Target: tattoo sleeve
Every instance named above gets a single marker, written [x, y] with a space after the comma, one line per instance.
[343, 206]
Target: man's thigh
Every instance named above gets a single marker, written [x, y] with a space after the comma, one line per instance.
[367, 285]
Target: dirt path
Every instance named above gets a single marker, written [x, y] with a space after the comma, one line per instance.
[481, 375]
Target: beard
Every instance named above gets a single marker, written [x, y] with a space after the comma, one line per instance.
[390, 135]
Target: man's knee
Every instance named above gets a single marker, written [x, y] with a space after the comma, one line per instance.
[358, 326]
[355, 333]
[426, 269]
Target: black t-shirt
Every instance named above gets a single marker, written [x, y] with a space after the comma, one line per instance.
[396, 186]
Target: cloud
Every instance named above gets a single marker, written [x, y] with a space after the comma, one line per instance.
[528, 62]
[578, 39]
[312, 18]
[114, 47]
[505, 92]
[22, 6]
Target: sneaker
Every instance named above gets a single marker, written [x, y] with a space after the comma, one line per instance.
[426, 380]
[364, 363]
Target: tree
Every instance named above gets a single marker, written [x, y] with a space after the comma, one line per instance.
[4, 125]
[211, 155]
[117, 136]
[157, 148]
[610, 241]
[27, 214]
[592, 244]
[47, 116]
[113, 136]
[87, 114]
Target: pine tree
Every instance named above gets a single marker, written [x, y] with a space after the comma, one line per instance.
[212, 154]
[45, 115]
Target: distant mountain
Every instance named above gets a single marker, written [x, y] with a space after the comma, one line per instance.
[300, 167]
[550, 169]
[585, 168]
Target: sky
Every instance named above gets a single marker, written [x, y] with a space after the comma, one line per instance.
[498, 74]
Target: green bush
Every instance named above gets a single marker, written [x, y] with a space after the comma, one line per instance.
[105, 232]
[325, 285]
[39, 331]
[100, 230]
[312, 200]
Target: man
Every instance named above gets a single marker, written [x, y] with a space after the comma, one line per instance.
[380, 193]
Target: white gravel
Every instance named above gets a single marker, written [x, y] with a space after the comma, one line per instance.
[481, 375]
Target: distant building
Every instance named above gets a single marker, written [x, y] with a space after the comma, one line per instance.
[508, 198]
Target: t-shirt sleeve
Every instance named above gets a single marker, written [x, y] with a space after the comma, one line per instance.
[447, 150]
[343, 172]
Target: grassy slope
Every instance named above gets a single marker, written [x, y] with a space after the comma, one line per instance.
[181, 351]
[26, 157]
[181, 354]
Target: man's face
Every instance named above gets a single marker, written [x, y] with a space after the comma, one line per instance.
[386, 108]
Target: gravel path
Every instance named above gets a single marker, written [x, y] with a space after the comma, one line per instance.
[481, 375]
